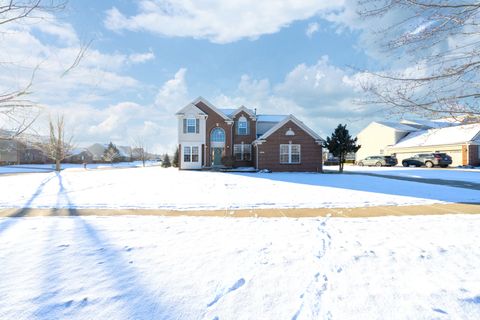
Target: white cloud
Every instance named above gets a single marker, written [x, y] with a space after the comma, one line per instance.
[173, 94]
[312, 28]
[321, 95]
[141, 57]
[217, 20]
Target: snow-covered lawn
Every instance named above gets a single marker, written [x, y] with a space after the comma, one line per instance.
[469, 175]
[23, 168]
[160, 188]
[147, 267]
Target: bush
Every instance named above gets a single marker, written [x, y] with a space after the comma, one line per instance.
[228, 161]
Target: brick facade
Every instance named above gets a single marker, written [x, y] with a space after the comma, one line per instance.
[269, 151]
[473, 156]
[246, 139]
[214, 120]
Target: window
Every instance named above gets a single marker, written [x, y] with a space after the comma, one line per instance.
[242, 126]
[217, 135]
[191, 125]
[289, 153]
[187, 156]
[190, 154]
[194, 154]
[243, 152]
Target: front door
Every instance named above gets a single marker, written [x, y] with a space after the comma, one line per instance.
[217, 156]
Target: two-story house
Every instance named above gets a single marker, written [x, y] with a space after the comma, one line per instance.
[206, 134]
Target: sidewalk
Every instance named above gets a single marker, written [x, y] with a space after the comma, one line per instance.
[434, 209]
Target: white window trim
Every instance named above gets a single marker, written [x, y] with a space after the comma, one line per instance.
[290, 154]
[190, 154]
[190, 126]
[242, 151]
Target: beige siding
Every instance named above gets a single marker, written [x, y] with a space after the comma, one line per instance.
[375, 139]
[192, 139]
[455, 151]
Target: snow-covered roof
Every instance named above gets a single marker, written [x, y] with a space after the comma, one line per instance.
[270, 117]
[397, 126]
[297, 122]
[442, 136]
[427, 124]
[228, 111]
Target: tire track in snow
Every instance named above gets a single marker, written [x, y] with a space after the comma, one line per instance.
[240, 282]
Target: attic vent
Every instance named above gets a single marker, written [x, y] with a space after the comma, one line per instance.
[290, 132]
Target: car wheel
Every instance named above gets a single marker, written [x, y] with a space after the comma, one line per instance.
[360, 164]
[429, 164]
[378, 164]
[405, 163]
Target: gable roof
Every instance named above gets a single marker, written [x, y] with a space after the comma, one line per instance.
[211, 106]
[397, 126]
[426, 124]
[294, 120]
[441, 136]
[189, 106]
[271, 117]
[250, 112]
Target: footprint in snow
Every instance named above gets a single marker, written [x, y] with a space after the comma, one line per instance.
[240, 282]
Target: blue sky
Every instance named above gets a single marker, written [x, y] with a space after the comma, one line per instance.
[149, 58]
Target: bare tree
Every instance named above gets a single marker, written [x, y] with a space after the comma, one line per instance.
[440, 42]
[140, 150]
[17, 111]
[58, 147]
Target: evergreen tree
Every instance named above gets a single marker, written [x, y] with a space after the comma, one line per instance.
[166, 161]
[341, 143]
[175, 158]
[111, 153]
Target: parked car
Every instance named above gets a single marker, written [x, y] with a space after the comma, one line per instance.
[429, 160]
[378, 161]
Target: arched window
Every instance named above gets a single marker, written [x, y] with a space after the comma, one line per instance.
[217, 135]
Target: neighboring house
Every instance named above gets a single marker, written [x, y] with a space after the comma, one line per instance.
[80, 156]
[461, 142]
[409, 137]
[276, 142]
[97, 150]
[379, 135]
[15, 151]
[124, 154]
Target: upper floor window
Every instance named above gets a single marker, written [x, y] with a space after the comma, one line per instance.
[242, 126]
[191, 125]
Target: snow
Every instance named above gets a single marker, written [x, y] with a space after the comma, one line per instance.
[468, 175]
[51, 167]
[270, 117]
[159, 188]
[443, 136]
[146, 267]
[397, 126]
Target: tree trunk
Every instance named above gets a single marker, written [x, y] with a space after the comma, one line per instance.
[340, 164]
[57, 165]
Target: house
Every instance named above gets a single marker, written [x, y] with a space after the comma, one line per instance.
[461, 142]
[97, 150]
[211, 137]
[409, 137]
[80, 155]
[378, 135]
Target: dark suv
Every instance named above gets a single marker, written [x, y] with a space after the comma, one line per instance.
[378, 161]
[429, 160]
